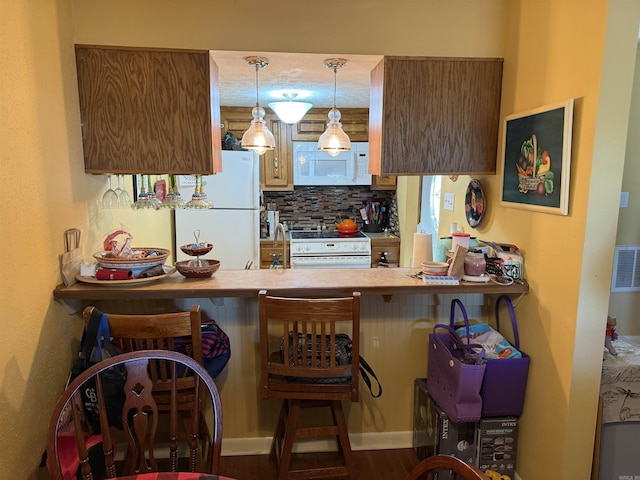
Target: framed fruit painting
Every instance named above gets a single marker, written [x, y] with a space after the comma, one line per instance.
[537, 159]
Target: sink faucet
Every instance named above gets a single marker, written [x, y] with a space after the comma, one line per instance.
[280, 228]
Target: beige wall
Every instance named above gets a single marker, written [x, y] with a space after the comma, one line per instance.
[553, 50]
[625, 306]
[563, 318]
[40, 153]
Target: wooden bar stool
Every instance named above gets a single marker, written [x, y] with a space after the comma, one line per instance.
[304, 363]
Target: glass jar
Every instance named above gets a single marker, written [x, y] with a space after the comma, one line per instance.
[475, 264]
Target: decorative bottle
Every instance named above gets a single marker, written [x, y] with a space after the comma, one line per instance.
[276, 261]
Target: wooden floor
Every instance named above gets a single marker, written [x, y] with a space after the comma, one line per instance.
[370, 465]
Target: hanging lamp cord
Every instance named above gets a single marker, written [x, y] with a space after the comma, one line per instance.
[335, 73]
[257, 102]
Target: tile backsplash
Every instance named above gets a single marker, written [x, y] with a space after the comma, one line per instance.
[307, 207]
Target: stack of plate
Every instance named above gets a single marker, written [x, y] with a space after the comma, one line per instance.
[152, 257]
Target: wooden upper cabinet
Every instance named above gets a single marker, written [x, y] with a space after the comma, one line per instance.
[146, 110]
[387, 182]
[355, 123]
[276, 166]
[434, 116]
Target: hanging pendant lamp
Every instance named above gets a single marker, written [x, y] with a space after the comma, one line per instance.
[258, 137]
[334, 140]
[290, 111]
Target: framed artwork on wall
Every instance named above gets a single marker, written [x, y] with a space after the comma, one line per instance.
[537, 159]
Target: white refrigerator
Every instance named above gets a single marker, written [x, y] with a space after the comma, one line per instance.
[233, 224]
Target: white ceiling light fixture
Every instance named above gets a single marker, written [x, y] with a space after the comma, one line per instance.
[334, 140]
[290, 112]
[258, 137]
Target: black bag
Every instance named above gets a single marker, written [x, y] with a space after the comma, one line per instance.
[343, 354]
[96, 346]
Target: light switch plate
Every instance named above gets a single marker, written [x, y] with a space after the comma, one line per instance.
[624, 199]
[448, 201]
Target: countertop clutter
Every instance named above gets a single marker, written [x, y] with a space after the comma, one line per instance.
[247, 283]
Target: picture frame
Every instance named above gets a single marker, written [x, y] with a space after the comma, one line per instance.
[537, 159]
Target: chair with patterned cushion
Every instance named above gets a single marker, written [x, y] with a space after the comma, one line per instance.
[140, 418]
[299, 341]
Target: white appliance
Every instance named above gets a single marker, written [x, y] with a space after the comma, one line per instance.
[233, 224]
[314, 167]
[329, 249]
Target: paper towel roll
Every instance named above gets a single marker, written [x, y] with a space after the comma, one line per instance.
[422, 249]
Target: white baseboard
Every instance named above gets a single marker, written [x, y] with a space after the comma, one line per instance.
[359, 441]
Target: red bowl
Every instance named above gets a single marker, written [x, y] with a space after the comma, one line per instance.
[348, 229]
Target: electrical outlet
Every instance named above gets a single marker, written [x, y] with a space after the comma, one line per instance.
[448, 201]
[624, 199]
[376, 342]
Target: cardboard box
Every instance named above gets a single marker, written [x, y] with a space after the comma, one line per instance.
[497, 445]
[434, 433]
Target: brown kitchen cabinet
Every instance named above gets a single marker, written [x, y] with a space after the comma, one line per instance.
[383, 182]
[390, 245]
[355, 123]
[431, 115]
[148, 110]
[267, 251]
[276, 166]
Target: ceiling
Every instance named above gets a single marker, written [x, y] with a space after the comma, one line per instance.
[304, 73]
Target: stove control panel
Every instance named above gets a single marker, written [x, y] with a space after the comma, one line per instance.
[330, 247]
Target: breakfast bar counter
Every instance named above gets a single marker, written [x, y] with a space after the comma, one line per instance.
[247, 283]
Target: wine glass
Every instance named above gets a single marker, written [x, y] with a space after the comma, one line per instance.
[143, 196]
[174, 199]
[199, 198]
[152, 200]
[124, 199]
[110, 197]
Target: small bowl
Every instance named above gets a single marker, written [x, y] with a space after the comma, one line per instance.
[196, 249]
[189, 270]
[435, 268]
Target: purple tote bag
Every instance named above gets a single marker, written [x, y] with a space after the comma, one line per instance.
[505, 379]
[454, 384]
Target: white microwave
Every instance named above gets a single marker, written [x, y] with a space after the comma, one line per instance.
[314, 167]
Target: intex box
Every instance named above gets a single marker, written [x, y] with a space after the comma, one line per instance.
[434, 433]
[497, 445]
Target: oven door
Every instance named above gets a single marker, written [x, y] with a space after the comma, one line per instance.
[338, 261]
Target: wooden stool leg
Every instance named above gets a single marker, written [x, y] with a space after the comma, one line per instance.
[278, 435]
[289, 437]
[343, 434]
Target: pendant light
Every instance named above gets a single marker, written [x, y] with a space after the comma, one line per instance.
[290, 112]
[258, 137]
[334, 140]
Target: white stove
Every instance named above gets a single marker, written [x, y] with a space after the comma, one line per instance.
[329, 249]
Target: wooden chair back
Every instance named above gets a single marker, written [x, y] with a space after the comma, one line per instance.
[158, 331]
[135, 332]
[139, 418]
[304, 331]
[458, 469]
